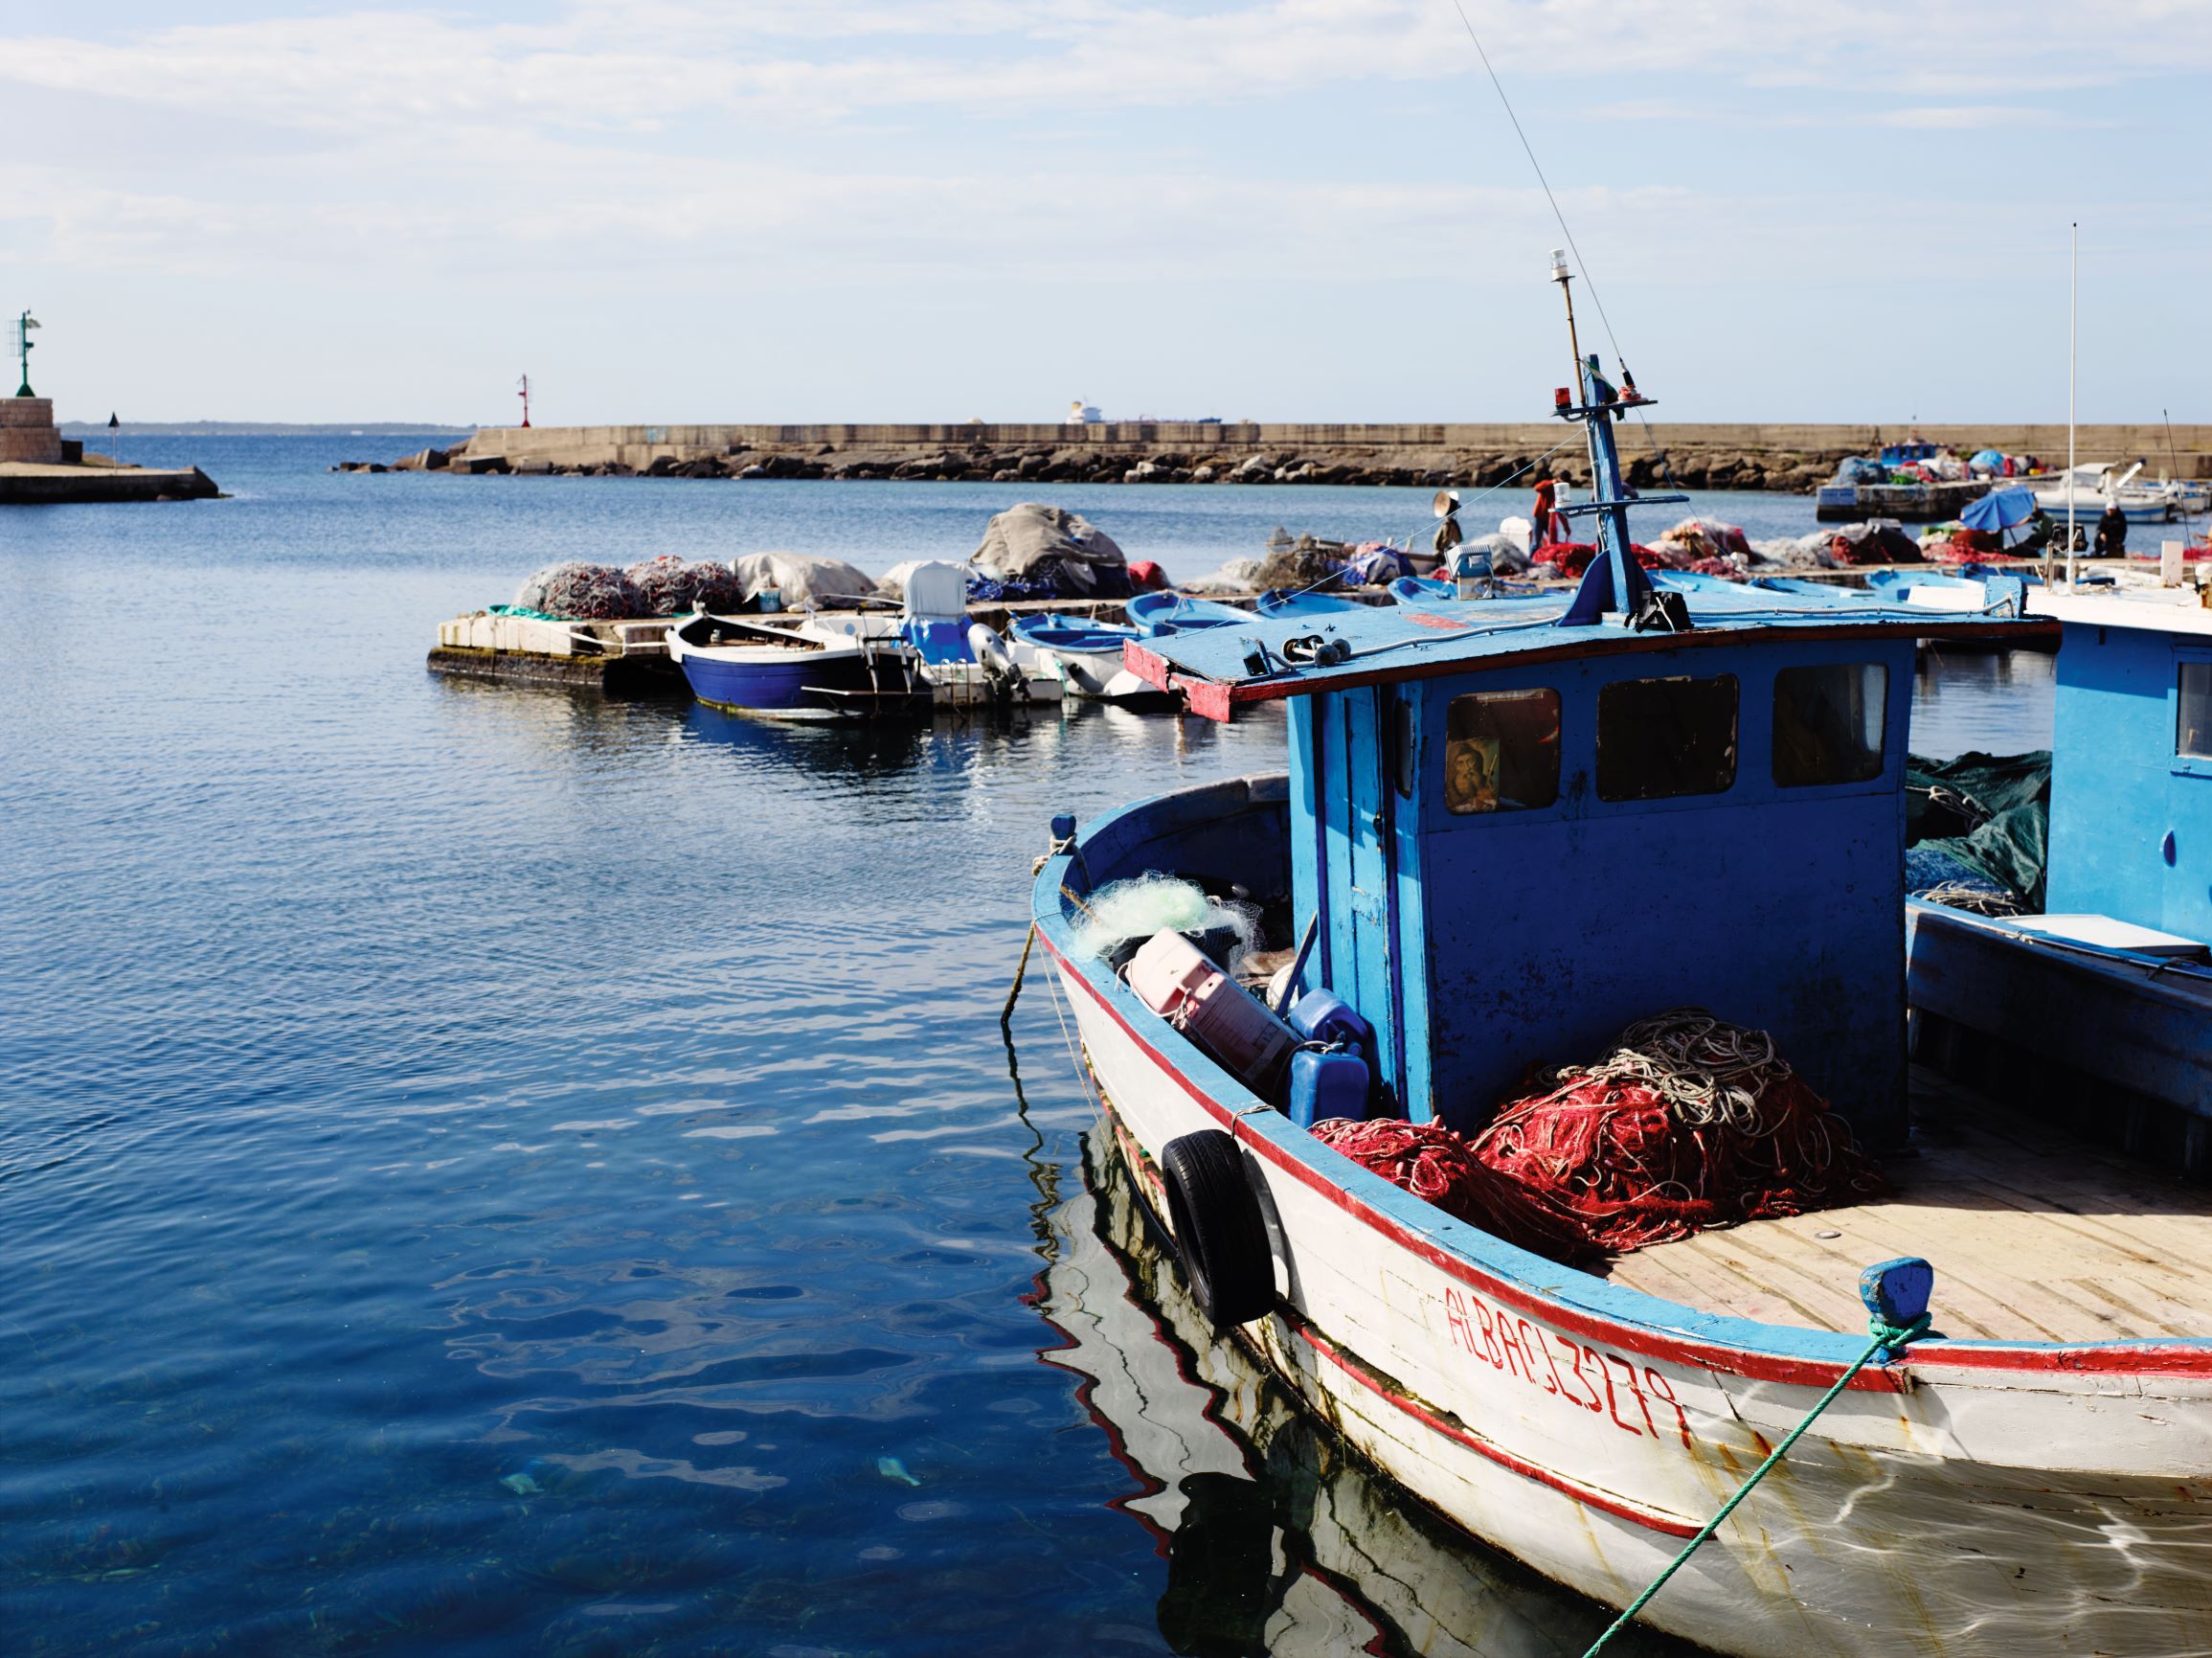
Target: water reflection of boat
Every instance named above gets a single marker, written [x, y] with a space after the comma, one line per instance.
[1277, 1539]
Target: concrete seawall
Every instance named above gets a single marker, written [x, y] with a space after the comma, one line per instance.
[1711, 456]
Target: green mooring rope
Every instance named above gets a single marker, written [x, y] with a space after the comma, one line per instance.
[1885, 1335]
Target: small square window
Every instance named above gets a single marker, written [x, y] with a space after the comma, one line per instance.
[1828, 723]
[2193, 730]
[1502, 751]
[1657, 738]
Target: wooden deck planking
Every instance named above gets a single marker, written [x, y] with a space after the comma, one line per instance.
[2035, 1235]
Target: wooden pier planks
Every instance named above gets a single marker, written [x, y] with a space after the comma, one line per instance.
[2035, 1235]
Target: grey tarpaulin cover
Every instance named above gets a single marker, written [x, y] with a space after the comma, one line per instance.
[801, 576]
[1033, 541]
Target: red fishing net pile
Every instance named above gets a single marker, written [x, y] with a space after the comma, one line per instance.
[1690, 1122]
[1573, 557]
[1431, 1162]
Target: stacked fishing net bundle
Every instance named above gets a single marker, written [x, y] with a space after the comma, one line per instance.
[1689, 1122]
[581, 592]
[671, 585]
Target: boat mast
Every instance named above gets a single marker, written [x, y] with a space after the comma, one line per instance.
[1597, 408]
[2074, 358]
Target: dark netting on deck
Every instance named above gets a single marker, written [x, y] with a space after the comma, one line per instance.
[1988, 812]
[671, 585]
[580, 592]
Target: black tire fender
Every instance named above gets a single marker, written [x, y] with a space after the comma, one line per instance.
[1220, 1235]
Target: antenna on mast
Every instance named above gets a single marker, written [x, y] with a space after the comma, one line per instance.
[523, 394]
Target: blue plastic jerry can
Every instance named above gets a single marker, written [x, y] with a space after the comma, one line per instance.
[1324, 1085]
[1321, 1016]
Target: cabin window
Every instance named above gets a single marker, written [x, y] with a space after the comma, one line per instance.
[1828, 723]
[1662, 738]
[1502, 751]
[2193, 730]
[1401, 717]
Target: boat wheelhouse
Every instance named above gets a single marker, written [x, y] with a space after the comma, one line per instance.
[1515, 827]
[2099, 1011]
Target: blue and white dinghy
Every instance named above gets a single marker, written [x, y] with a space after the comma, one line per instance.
[1510, 832]
[1087, 657]
[1153, 613]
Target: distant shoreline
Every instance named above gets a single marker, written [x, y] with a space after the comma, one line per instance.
[263, 429]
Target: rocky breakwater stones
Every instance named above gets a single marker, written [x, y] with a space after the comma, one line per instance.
[1096, 462]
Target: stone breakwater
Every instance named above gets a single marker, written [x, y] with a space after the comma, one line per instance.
[1698, 457]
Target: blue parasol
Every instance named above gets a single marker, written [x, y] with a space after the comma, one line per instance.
[1999, 509]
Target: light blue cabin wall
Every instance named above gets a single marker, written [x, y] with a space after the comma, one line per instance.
[2117, 788]
[1306, 859]
[1344, 861]
[1549, 930]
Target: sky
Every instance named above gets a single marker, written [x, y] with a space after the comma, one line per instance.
[937, 210]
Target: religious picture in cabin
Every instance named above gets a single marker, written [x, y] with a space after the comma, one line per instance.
[2193, 728]
[1502, 751]
[1828, 723]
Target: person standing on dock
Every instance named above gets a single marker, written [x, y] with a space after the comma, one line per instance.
[1547, 523]
[2112, 533]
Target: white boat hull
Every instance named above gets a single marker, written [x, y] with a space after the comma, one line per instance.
[1096, 676]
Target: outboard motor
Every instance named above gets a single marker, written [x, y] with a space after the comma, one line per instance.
[998, 663]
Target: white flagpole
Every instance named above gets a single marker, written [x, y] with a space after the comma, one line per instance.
[2074, 358]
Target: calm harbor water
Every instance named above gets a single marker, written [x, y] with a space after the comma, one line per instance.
[497, 1171]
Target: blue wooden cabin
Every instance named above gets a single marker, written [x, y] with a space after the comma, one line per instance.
[1521, 832]
[1526, 823]
[2130, 826]
[2100, 1011]
[1515, 859]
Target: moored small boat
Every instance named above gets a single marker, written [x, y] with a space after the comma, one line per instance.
[1156, 613]
[739, 664]
[959, 662]
[1086, 657]
[2106, 998]
[1275, 601]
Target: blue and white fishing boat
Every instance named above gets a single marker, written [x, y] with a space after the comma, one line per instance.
[739, 664]
[1087, 657]
[1513, 828]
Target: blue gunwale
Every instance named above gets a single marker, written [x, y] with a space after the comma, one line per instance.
[1564, 1295]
